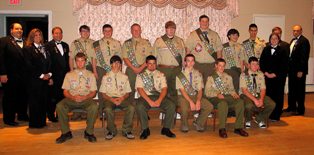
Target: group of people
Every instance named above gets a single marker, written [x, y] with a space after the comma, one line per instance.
[196, 75]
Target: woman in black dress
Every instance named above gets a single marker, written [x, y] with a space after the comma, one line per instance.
[38, 66]
[274, 65]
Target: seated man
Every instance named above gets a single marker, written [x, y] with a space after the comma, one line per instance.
[220, 91]
[252, 84]
[152, 87]
[190, 83]
[79, 90]
[115, 89]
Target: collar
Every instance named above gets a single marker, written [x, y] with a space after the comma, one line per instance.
[37, 45]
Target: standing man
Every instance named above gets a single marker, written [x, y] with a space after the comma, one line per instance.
[13, 75]
[170, 51]
[79, 90]
[152, 86]
[298, 69]
[219, 89]
[105, 48]
[115, 89]
[253, 46]
[134, 53]
[59, 54]
[206, 46]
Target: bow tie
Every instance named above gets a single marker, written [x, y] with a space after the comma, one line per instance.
[58, 43]
[18, 40]
[253, 75]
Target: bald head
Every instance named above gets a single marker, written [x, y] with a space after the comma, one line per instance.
[297, 30]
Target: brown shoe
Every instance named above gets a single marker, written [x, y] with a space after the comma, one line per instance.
[223, 133]
[241, 132]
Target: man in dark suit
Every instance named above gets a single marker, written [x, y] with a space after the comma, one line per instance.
[298, 69]
[59, 53]
[12, 76]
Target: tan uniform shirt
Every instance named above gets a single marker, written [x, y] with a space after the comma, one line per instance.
[203, 56]
[197, 80]
[142, 49]
[211, 90]
[260, 81]
[87, 46]
[259, 45]
[237, 53]
[159, 81]
[163, 53]
[115, 84]
[79, 82]
[109, 47]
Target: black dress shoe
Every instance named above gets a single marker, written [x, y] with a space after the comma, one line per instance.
[241, 132]
[64, 137]
[145, 133]
[91, 138]
[288, 110]
[223, 133]
[167, 132]
[11, 123]
[298, 114]
[53, 119]
[25, 119]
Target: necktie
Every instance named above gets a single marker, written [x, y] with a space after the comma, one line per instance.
[254, 81]
[191, 78]
[115, 78]
[205, 33]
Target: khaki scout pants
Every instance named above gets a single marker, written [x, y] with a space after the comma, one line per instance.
[166, 106]
[128, 116]
[66, 105]
[206, 108]
[223, 105]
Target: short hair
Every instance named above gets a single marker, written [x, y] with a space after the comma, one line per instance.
[232, 31]
[115, 58]
[252, 26]
[106, 26]
[12, 25]
[220, 60]
[55, 28]
[276, 28]
[170, 24]
[189, 55]
[80, 55]
[253, 59]
[150, 57]
[274, 34]
[135, 24]
[84, 27]
[203, 16]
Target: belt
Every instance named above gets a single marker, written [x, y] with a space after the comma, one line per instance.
[166, 66]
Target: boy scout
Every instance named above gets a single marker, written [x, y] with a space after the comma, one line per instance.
[219, 89]
[115, 89]
[134, 52]
[206, 46]
[190, 85]
[170, 50]
[253, 88]
[152, 86]
[233, 53]
[79, 89]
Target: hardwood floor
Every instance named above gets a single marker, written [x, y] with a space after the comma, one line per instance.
[292, 135]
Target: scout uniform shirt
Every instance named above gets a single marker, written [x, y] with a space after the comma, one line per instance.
[194, 42]
[115, 84]
[233, 53]
[87, 46]
[195, 79]
[109, 47]
[258, 44]
[141, 48]
[247, 82]
[163, 53]
[159, 81]
[212, 90]
[79, 82]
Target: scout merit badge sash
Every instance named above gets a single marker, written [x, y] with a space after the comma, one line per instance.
[131, 53]
[80, 49]
[228, 55]
[172, 48]
[149, 83]
[249, 48]
[252, 89]
[220, 84]
[186, 84]
[100, 57]
[209, 47]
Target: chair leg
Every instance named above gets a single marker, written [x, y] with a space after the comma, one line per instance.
[214, 121]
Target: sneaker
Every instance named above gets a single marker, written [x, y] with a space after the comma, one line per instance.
[178, 116]
[196, 115]
[184, 128]
[248, 124]
[128, 135]
[109, 136]
[210, 115]
[90, 137]
[161, 116]
[197, 127]
[262, 125]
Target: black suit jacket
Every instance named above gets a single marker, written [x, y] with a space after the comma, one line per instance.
[12, 61]
[298, 60]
